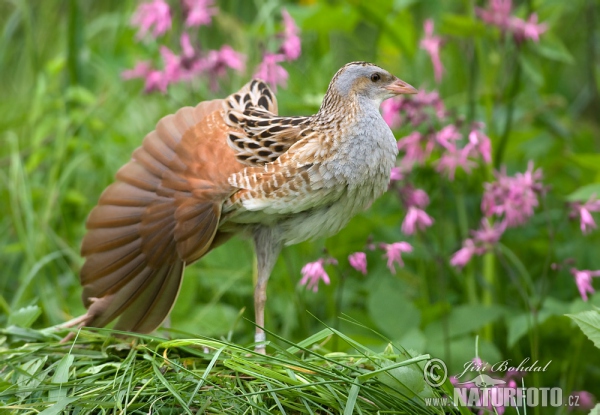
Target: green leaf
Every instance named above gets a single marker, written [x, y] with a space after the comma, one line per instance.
[205, 374]
[317, 337]
[412, 339]
[29, 335]
[403, 4]
[457, 25]
[390, 308]
[387, 367]
[29, 377]
[530, 70]
[80, 95]
[589, 323]
[378, 16]
[595, 410]
[4, 385]
[408, 380]
[24, 317]
[587, 160]
[210, 320]
[351, 401]
[92, 370]
[327, 16]
[59, 406]
[520, 324]
[553, 49]
[458, 352]
[61, 375]
[584, 193]
[464, 319]
[158, 374]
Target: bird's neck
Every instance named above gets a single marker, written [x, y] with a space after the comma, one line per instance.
[345, 108]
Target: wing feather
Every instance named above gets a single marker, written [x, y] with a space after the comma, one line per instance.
[162, 213]
[258, 136]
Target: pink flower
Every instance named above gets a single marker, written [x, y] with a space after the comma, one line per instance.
[396, 174]
[478, 361]
[390, 111]
[481, 143]
[584, 212]
[393, 253]
[498, 14]
[464, 255]
[431, 44]
[358, 261]
[189, 63]
[488, 234]
[587, 220]
[291, 46]
[271, 72]
[312, 273]
[452, 159]
[156, 81]
[512, 375]
[414, 197]
[426, 100]
[187, 49]
[417, 108]
[530, 29]
[513, 198]
[583, 279]
[585, 402]
[448, 136]
[140, 70]
[415, 219]
[483, 240]
[172, 65]
[199, 12]
[413, 148]
[155, 13]
[226, 57]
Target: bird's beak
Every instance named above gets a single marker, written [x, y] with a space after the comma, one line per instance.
[401, 87]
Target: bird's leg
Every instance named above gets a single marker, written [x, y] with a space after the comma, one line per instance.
[76, 322]
[267, 246]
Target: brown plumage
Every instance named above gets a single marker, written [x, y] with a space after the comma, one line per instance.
[229, 166]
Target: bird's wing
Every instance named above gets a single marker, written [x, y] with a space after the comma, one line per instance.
[295, 182]
[258, 136]
[161, 213]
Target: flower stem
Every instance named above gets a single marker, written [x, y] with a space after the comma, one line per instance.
[463, 225]
[508, 123]
[338, 307]
[489, 276]
[473, 73]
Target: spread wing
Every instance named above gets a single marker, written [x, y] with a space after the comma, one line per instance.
[258, 136]
[165, 208]
[161, 213]
[293, 183]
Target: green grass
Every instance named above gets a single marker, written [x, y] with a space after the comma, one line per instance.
[100, 373]
[68, 122]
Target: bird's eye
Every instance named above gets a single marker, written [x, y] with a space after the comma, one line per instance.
[375, 77]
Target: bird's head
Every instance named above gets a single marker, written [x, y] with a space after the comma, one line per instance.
[366, 80]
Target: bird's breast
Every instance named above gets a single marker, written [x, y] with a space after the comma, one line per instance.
[364, 155]
[358, 172]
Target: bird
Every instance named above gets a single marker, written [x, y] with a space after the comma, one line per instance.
[233, 166]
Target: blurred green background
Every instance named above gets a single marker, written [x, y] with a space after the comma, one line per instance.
[68, 121]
